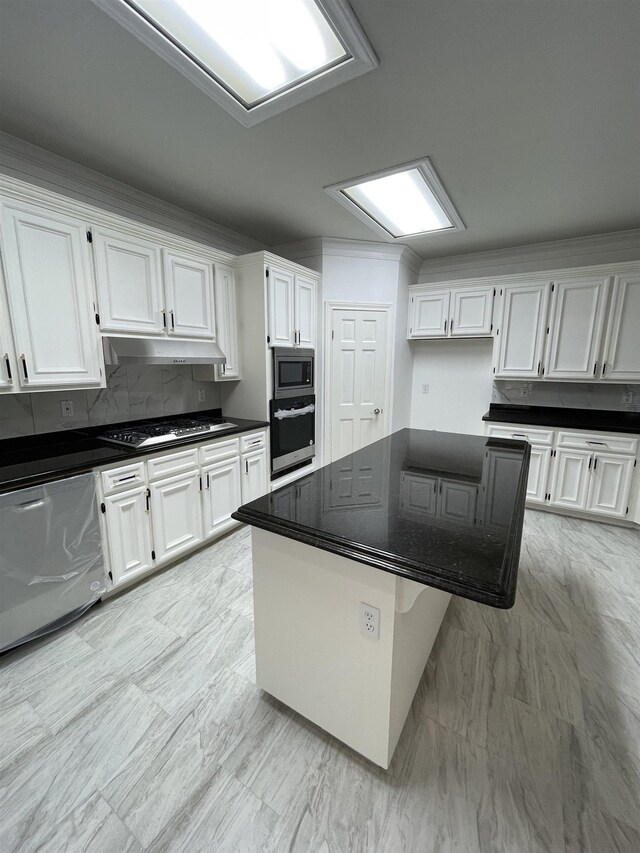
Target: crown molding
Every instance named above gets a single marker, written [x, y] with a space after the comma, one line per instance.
[29, 163]
[339, 247]
[618, 246]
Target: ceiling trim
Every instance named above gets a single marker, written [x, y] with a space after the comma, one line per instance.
[341, 247]
[617, 246]
[27, 162]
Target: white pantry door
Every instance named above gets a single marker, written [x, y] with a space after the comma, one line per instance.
[358, 400]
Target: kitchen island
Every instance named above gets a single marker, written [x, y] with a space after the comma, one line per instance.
[355, 564]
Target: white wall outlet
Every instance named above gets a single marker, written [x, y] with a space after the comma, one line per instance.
[425, 388]
[525, 390]
[201, 395]
[369, 621]
[627, 397]
[66, 408]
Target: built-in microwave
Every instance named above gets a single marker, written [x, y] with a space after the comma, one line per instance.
[292, 372]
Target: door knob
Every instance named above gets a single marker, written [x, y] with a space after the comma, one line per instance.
[376, 411]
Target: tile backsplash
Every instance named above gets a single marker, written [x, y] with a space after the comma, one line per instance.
[570, 395]
[132, 392]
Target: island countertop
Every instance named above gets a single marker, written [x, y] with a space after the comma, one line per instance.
[442, 509]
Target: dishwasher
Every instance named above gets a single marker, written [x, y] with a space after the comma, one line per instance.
[51, 562]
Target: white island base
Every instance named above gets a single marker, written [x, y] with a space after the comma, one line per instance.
[311, 654]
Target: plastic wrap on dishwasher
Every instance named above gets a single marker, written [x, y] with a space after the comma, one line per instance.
[51, 560]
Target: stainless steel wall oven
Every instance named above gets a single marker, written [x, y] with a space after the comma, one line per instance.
[293, 432]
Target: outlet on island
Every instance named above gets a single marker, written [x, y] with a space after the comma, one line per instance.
[369, 621]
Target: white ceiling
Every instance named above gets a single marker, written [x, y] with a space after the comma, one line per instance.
[530, 112]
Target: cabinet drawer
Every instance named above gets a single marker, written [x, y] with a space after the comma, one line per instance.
[220, 450]
[604, 443]
[252, 441]
[124, 477]
[172, 463]
[533, 436]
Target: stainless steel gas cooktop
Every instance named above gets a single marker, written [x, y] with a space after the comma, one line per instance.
[160, 432]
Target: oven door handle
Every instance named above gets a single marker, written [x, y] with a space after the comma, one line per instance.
[294, 413]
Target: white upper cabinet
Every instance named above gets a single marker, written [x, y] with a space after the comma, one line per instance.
[8, 366]
[519, 344]
[453, 312]
[305, 311]
[189, 295]
[471, 312]
[50, 294]
[576, 324]
[281, 310]
[622, 347]
[227, 322]
[129, 283]
[429, 316]
[292, 309]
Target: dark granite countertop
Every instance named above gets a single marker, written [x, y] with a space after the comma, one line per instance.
[595, 419]
[442, 509]
[36, 459]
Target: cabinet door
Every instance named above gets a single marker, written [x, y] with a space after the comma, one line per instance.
[220, 496]
[227, 323]
[622, 347]
[189, 296]
[471, 312]
[538, 474]
[129, 283]
[458, 501]
[576, 322]
[254, 475]
[176, 514]
[305, 311]
[572, 471]
[418, 496]
[128, 534]
[499, 479]
[49, 287]
[429, 315]
[281, 310]
[8, 367]
[610, 484]
[520, 336]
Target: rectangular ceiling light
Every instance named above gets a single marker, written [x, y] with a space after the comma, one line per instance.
[404, 201]
[254, 57]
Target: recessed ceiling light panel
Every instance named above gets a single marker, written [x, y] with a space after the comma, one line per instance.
[404, 201]
[254, 57]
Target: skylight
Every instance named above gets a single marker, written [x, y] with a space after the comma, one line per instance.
[401, 202]
[254, 57]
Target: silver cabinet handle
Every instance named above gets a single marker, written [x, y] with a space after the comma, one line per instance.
[173, 321]
[518, 435]
[445, 326]
[24, 366]
[164, 318]
[7, 364]
[246, 466]
[599, 443]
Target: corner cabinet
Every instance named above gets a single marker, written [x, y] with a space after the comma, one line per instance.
[621, 360]
[455, 312]
[49, 289]
[292, 299]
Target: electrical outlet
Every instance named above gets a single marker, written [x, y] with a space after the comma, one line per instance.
[425, 389]
[66, 408]
[369, 621]
[627, 397]
[201, 395]
[525, 390]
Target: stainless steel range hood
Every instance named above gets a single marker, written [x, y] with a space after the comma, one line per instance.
[161, 351]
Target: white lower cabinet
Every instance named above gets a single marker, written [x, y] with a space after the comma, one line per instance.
[220, 495]
[577, 471]
[570, 483]
[128, 534]
[610, 484]
[254, 475]
[176, 514]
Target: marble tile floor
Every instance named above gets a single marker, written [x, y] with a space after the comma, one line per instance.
[140, 726]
